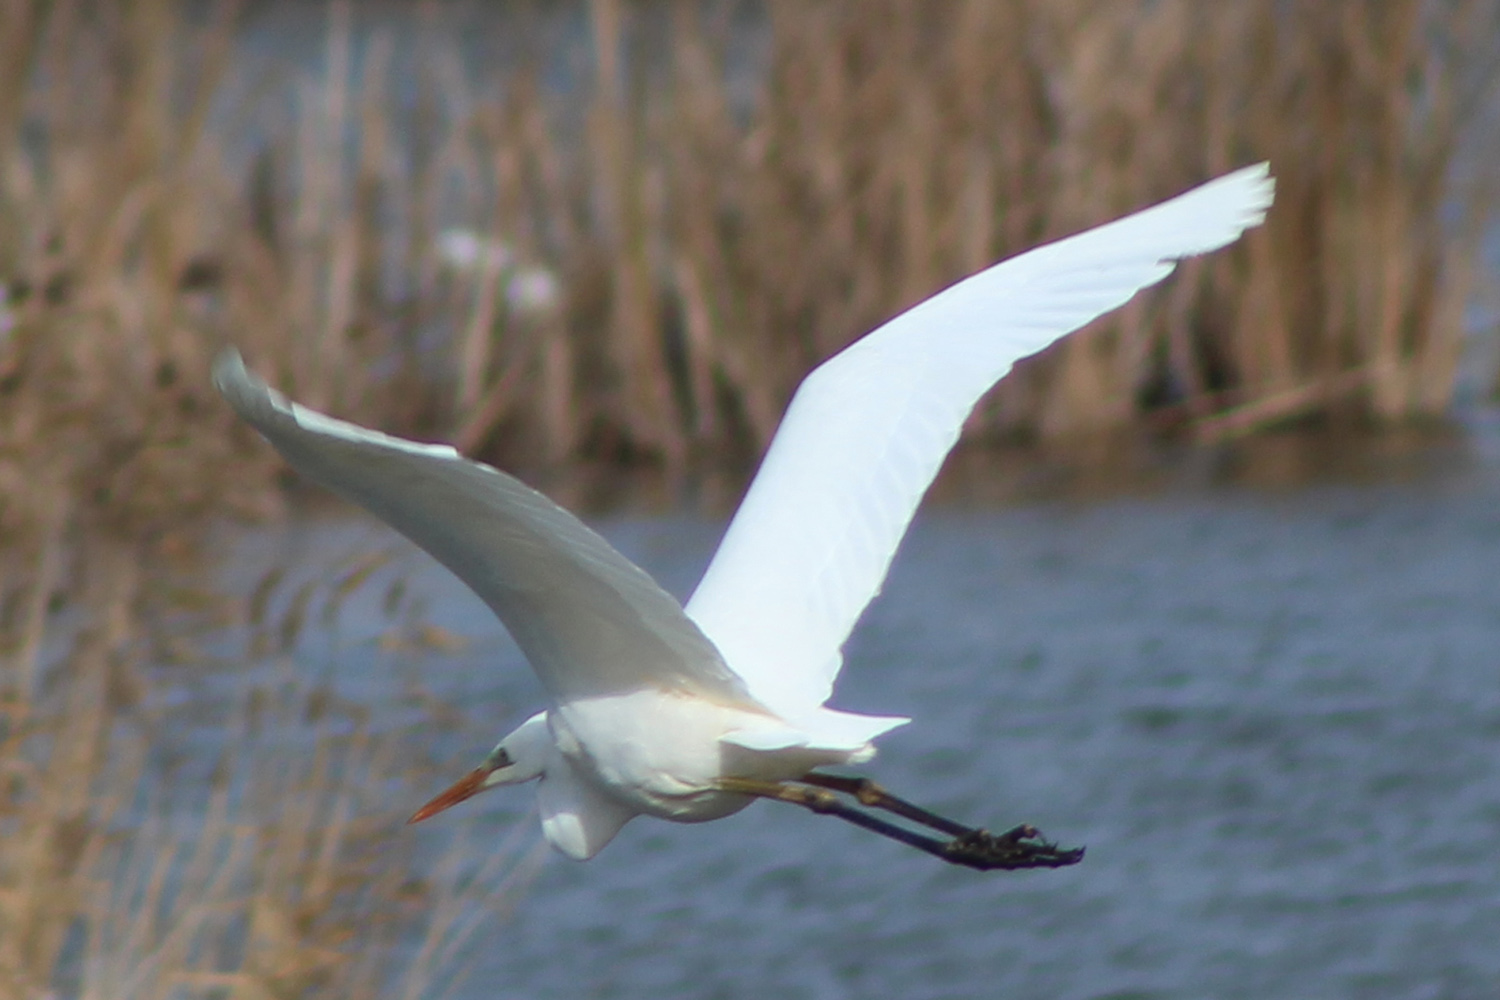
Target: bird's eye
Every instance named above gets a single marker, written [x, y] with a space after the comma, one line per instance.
[498, 759]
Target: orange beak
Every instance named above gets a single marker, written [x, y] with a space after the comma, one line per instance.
[469, 785]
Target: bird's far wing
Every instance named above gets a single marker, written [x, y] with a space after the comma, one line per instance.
[587, 618]
[866, 432]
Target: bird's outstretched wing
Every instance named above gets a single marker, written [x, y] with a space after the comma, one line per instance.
[589, 620]
[867, 430]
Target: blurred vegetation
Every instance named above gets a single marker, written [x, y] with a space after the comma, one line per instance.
[648, 264]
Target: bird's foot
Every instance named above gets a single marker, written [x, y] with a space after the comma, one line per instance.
[1022, 847]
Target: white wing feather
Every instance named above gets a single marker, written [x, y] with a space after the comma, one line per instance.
[587, 618]
[867, 431]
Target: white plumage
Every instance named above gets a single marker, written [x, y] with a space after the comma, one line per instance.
[652, 705]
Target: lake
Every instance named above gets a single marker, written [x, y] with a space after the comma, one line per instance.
[1273, 717]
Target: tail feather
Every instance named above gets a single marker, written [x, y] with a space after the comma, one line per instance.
[820, 729]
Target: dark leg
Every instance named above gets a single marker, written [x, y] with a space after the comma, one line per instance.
[967, 840]
[1017, 848]
[870, 794]
[827, 804]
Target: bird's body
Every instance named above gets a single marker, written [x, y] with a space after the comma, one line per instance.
[686, 713]
[606, 761]
[616, 742]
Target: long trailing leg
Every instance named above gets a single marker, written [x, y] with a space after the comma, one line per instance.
[826, 803]
[1021, 843]
[973, 848]
[870, 794]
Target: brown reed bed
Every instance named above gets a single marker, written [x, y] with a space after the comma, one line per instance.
[130, 251]
[740, 191]
[895, 147]
[714, 223]
[249, 851]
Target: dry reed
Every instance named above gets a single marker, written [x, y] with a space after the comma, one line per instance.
[723, 222]
[892, 148]
[249, 852]
[714, 223]
[130, 250]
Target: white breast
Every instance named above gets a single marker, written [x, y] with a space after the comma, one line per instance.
[661, 752]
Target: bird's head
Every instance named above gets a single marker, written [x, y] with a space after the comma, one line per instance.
[519, 757]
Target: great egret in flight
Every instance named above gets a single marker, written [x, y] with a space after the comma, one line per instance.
[688, 713]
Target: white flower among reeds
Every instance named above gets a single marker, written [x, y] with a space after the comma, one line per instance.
[467, 251]
[528, 289]
[532, 290]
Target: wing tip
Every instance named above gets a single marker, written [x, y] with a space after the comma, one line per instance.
[1254, 188]
[1220, 211]
[1261, 185]
[255, 401]
[229, 372]
[267, 411]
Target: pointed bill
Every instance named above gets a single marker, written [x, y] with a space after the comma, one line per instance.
[466, 787]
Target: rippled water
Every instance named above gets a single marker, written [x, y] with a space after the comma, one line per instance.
[1274, 719]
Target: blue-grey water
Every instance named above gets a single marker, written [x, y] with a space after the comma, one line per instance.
[1272, 717]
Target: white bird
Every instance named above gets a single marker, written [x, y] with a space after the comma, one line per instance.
[688, 713]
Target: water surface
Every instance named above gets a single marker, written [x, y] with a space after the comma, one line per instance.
[1273, 718]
